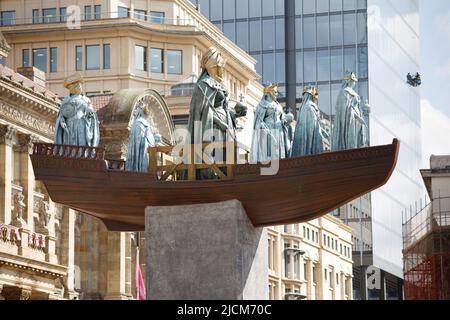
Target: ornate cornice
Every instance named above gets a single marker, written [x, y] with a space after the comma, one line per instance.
[17, 115]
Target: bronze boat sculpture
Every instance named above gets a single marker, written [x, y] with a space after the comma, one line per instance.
[305, 188]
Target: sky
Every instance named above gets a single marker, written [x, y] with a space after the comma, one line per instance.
[435, 69]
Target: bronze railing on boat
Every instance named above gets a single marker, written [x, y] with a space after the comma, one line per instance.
[163, 163]
[68, 152]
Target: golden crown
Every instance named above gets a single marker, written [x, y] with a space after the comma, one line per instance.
[351, 76]
[312, 91]
[74, 78]
[270, 88]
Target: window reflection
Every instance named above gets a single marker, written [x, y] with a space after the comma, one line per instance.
[40, 59]
[174, 61]
[93, 57]
[157, 17]
[140, 58]
[157, 60]
[309, 32]
[49, 15]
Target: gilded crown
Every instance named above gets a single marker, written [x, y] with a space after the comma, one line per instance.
[72, 79]
[312, 91]
[350, 76]
[270, 88]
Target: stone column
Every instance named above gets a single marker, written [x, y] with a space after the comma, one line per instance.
[68, 251]
[6, 140]
[209, 251]
[309, 280]
[116, 274]
[24, 147]
[342, 283]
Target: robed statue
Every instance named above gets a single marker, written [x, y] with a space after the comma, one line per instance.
[77, 123]
[210, 118]
[350, 128]
[309, 131]
[270, 140]
[140, 140]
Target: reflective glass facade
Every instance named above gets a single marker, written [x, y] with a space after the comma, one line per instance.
[379, 41]
[393, 52]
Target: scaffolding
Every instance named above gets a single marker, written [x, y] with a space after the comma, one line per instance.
[426, 252]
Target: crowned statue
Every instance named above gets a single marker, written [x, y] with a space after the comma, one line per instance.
[77, 123]
[270, 139]
[350, 128]
[141, 138]
[309, 132]
[210, 118]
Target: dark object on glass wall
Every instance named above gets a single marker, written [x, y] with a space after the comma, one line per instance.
[304, 188]
[415, 81]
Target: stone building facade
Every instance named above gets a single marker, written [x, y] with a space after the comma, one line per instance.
[311, 261]
[36, 235]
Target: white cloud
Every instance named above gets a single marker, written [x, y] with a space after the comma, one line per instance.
[435, 133]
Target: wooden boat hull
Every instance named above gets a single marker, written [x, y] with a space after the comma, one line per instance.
[304, 189]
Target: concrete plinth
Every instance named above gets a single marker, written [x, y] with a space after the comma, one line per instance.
[205, 252]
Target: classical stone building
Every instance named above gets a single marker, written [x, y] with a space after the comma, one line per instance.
[311, 261]
[36, 235]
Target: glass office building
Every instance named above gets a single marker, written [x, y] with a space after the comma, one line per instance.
[314, 42]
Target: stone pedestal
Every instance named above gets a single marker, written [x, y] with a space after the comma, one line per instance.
[205, 252]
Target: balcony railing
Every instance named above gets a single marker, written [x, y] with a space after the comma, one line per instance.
[58, 18]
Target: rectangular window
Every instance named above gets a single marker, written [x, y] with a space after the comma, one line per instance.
[97, 12]
[174, 61]
[140, 58]
[157, 60]
[35, 14]
[268, 30]
[62, 14]
[93, 57]
[122, 12]
[255, 38]
[242, 35]
[49, 15]
[305, 271]
[309, 32]
[87, 12]
[314, 275]
[8, 18]
[157, 17]
[140, 14]
[40, 59]
[79, 58]
[106, 56]
[25, 57]
[53, 59]
[309, 66]
[2, 61]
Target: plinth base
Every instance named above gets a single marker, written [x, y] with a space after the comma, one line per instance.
[205, 252]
